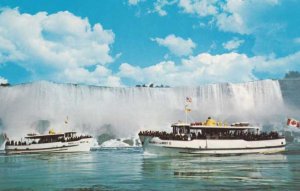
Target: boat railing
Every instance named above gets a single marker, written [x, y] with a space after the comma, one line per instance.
[41, 141]
[15, 143]
[248, 136]
[76, 138]
[222, 124]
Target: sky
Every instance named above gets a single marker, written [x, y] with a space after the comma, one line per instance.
[128, 42]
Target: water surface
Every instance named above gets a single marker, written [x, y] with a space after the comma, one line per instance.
[131, 169]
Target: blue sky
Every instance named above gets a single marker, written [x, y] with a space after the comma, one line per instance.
[128, 42]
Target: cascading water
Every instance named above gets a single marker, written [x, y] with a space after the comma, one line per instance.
[124, 111]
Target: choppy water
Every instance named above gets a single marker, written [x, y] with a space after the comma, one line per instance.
[130, 169]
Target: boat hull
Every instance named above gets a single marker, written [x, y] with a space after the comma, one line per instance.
[82, 145]
[211, 146]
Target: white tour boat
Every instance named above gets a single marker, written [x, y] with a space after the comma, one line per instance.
[212, 138]
[50, 143]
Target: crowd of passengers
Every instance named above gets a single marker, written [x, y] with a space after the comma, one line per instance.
[249, 136]
[68, 139]
[164, 135]
[43, 140]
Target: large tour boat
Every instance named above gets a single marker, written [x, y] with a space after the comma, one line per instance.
[50, 143]
[212, 138]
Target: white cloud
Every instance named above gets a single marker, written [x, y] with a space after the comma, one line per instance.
[238, 16]
[54, 44]
[275, 67]
[3, 80]
[199, 7]
[207, 68]
[233, 44]
[177, 45]
[100, 76]
[133, 72]
[233, 17]
[232, 23]
[133, 2]
[297, 40]
[159, 6]
[241, 16]
[200, 69]
[212, 47]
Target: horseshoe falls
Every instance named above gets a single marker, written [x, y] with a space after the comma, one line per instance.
[123, 111]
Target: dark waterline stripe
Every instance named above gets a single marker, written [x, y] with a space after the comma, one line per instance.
[279, 146]
[50, 148]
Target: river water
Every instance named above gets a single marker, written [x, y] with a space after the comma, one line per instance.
[131, 169]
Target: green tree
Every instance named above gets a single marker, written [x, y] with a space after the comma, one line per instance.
[292, 74]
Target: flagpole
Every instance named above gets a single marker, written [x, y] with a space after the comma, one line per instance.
[186, 109]
[185, 114]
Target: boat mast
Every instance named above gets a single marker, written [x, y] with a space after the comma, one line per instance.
[186, 108]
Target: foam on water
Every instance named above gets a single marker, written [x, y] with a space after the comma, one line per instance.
[126, 110]
[114, 143]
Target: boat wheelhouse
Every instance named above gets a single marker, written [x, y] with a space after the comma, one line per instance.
[52, 142]
[211, 138]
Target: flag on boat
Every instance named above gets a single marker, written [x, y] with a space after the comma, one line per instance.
[293, 122]
[188, 99]
[67, 120]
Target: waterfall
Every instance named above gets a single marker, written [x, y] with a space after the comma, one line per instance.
[2, 142]
[123, 111]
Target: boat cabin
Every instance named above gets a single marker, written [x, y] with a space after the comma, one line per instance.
[53, 137]
[186, 128]
[46, 138]
[49, 138]
[199, 131]
[70, 134]
[186, 132]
